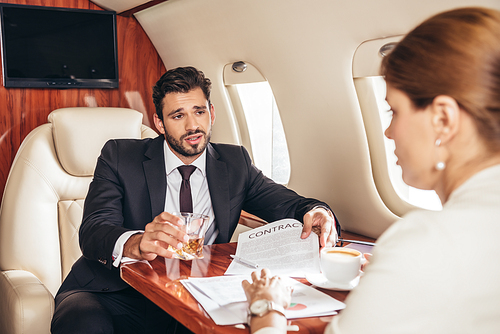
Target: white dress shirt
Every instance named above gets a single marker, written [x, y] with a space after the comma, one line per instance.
[200, 193]
[198, 180]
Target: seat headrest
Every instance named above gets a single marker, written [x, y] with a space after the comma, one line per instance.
[80, 133]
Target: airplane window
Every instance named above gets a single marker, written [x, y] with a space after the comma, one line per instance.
[427, 199]
[260, 124]
[371, 89]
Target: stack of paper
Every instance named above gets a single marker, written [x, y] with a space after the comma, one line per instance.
[223, 298]
[277, 246]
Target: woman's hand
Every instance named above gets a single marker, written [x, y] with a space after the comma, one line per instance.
[266, 286]
[271, 288]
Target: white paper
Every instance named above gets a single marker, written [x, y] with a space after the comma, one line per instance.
[278, 247]
[223, 298]
[222, 289]
[231, 314]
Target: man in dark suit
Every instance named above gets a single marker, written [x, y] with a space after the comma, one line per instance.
[136, 186]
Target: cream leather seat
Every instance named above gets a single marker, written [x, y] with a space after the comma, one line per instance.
[42, 208]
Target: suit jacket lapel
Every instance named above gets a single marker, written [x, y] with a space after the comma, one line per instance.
[156, 176]
[218, 185]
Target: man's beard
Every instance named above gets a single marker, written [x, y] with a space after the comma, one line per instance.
[193, 150]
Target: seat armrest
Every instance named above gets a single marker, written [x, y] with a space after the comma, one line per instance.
[249, 220]
[26, 305]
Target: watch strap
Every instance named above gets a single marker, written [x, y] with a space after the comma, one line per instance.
[271, 306]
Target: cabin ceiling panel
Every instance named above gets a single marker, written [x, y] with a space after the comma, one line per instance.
[119, 5]
[305, 50]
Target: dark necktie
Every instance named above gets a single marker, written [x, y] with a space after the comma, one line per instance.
[185, 199]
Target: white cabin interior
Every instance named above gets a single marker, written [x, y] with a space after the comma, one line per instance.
[311, 53]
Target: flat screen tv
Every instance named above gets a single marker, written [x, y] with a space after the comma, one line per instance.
[51, 47]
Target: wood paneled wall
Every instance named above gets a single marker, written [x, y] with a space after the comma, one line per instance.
[22, 110]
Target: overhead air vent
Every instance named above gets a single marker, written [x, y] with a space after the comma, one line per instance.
[387, 48]
[239, 66]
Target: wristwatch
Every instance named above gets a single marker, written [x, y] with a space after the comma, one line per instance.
[262, 307]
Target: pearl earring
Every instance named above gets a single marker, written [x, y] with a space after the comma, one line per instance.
[440, 165]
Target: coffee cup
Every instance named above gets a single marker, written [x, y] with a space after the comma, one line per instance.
[340, 265]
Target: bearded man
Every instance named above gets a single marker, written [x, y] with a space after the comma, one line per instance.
[135, 190]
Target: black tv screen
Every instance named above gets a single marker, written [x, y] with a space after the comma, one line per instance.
[51, 47]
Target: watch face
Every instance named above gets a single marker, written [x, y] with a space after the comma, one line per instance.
[259, 306]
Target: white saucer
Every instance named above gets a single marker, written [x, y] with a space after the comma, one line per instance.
[321, 281]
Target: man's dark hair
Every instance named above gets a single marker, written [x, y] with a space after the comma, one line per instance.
[179, 80]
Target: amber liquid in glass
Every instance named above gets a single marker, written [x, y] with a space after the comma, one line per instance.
[191, 250]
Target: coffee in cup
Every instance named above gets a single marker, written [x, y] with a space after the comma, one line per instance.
[340, 265]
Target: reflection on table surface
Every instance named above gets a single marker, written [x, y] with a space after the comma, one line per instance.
[159, 280]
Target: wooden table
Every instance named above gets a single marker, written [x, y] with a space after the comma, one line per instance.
[162, 285]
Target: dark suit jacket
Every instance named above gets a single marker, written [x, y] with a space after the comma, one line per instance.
[128, 191]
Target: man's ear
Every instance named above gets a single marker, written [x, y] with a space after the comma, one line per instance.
[212, 113]
[445, 117]
[158, 124]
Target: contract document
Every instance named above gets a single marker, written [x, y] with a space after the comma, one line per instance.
[223, 298]
[277, 246]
